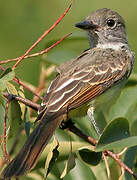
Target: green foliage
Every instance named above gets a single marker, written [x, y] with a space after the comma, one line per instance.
[116, 135]
[15, 118]
[51, 157]
[2, 112]
[89, 156]
[70, 164]
[27, 122]
[5, 77]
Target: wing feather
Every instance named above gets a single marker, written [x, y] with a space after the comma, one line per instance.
[83, 82]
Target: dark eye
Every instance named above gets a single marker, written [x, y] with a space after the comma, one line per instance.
[110, 22]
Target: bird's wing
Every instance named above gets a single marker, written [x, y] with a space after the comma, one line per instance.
[84, 81]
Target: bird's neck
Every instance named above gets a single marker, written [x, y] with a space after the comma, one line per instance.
[113, 45]
[105, 43]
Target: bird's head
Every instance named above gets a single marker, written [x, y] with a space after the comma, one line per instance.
[104, 26]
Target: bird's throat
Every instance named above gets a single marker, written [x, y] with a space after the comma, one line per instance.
[115, 46]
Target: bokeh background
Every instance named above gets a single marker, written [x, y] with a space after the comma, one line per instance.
[23, 22]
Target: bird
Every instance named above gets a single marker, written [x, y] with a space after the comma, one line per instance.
[106, 65]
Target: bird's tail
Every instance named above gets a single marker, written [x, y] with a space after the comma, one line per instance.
[32, 149]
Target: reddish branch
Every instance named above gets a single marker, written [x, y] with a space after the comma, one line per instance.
[26, 87]
[39, 53]
[121, 164]
[36, 54]
[27, 102]
[22, 84]
[42, 37]
[92, 141]
[32, 55]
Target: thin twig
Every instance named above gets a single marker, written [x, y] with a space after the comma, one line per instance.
[107, 166]
[42, 37]
[122, 174]
[78, 132]
[120, 163]
[37, 54]
[122, 152]
[27, 102]
[22, 84]
[92, 141]
[26, 87]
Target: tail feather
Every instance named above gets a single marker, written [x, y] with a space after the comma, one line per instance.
[32, 149]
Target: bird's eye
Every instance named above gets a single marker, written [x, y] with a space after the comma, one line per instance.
[110, 22]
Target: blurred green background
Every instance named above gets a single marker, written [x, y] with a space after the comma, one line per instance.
[22, 22]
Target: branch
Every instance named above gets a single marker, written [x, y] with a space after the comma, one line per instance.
[42, 37]
[37, 54]
[33, 55]
[78, 132]
[27, 102]
[22, 84]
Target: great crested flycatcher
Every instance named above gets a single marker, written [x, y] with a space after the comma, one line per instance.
[107, 64]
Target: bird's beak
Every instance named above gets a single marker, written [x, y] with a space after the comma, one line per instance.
[86, 25]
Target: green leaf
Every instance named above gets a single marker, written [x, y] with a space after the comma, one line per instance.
[129, 159]
[85, 172]
[3, 85]
[15, 118]
[22, 106]
[88, 156]
[126, 142]
[116, 130]
[1, 72]
[70, 164]
[11, 88]
[5, 72]
[6, 76]
[2, 113]
[2, 100]
[27, 122]
[132, 81]
[133, 128]
[124, 106]
[51, 157]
